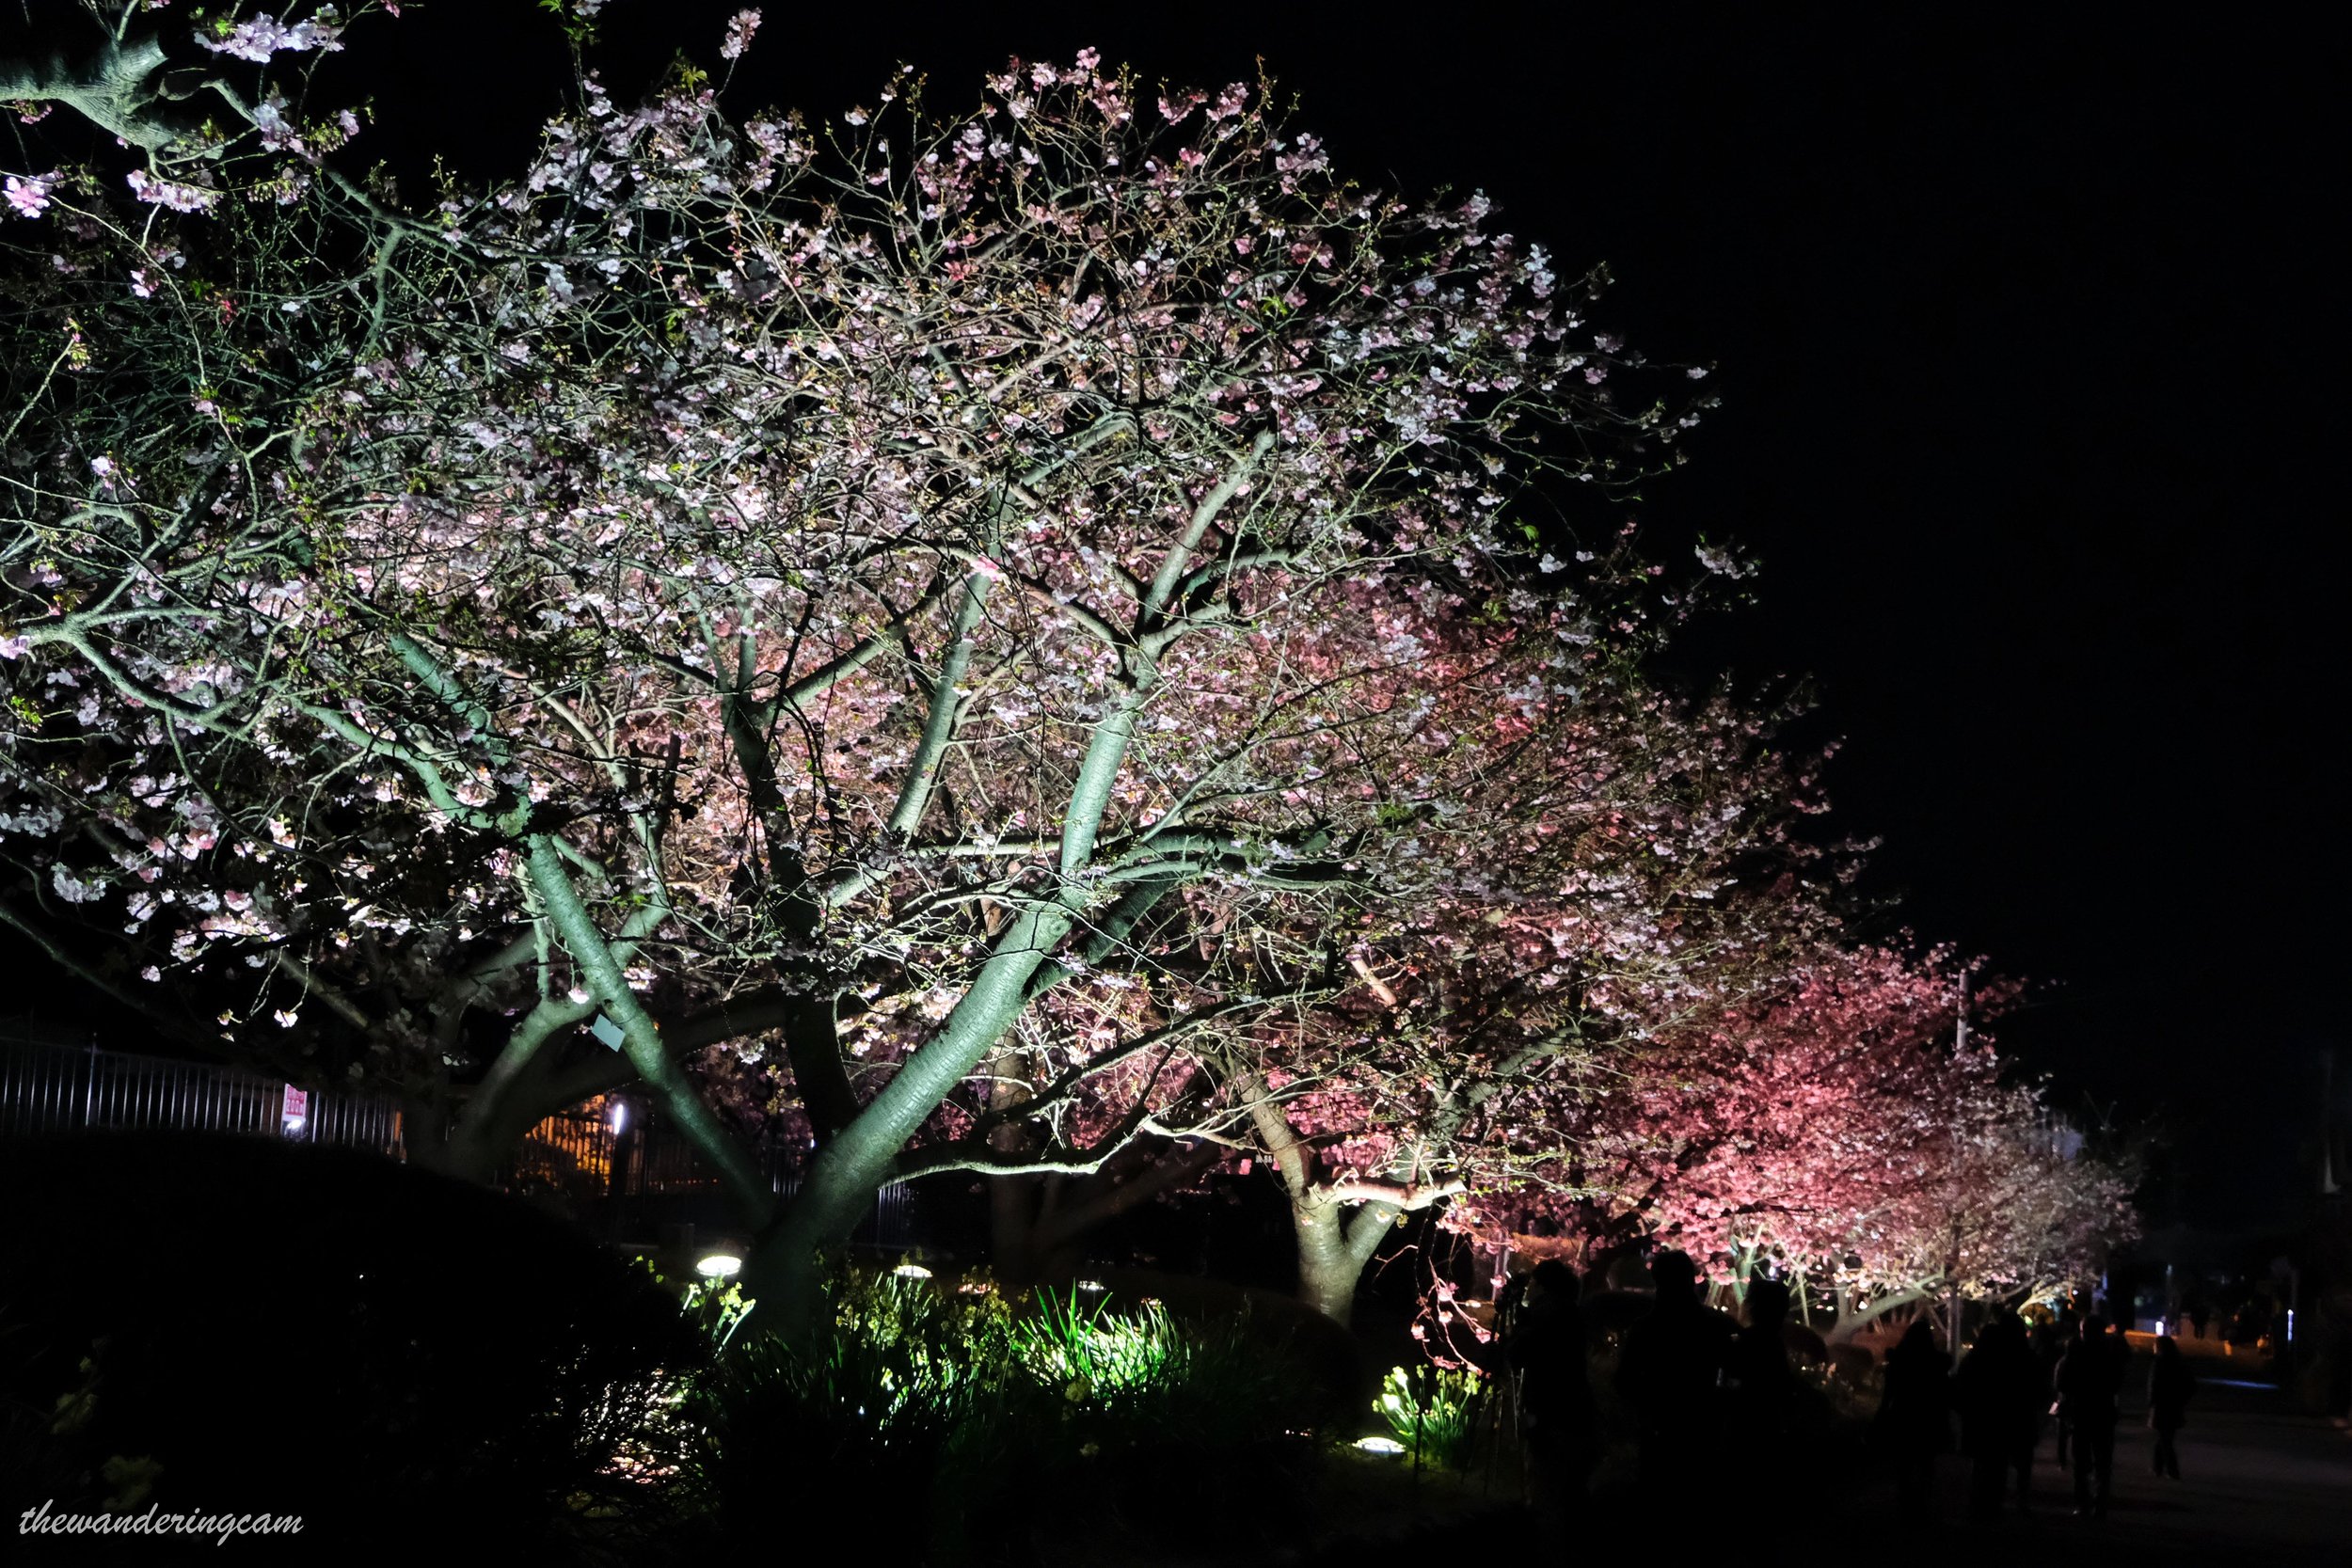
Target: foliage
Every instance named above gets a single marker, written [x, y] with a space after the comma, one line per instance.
[1434, 1411]
[884, 1395]
[1088, 1353]
[1142, 1373]
[978, 1401]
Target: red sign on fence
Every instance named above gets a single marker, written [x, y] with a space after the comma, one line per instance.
[298, 1108]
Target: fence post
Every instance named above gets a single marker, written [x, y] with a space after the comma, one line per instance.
[89, 1083]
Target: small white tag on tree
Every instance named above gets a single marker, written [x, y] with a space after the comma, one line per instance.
[606, 1030]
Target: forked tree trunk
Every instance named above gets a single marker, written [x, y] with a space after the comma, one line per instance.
[1327, 1271]
[1336, 1244]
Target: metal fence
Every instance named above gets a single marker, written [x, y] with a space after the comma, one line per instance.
[49, 1088]
[610, 1150]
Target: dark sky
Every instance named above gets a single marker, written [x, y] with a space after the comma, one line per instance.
[2019, 324]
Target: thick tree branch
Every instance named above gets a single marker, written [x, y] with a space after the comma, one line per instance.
[641, 1037]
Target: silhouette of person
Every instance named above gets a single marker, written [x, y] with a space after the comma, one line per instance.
[1762, 1393]
[2090, 1380]
[1670, 1374]
[2049, 1343]
[1914, 1416]
[1547, 1348]
[2169, 1385]
[2001, 1391]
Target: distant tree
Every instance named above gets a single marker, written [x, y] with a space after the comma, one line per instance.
[1833, 1127]
[885, 591]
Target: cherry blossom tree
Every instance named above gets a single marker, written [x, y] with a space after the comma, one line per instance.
[1653, 870]
[2018, 1208]
[1575, 898]
[867, 592]
[1842, 1127]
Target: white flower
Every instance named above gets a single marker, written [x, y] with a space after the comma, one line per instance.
[264, 35]
[180, 197]
[72, 888]
[739, 30]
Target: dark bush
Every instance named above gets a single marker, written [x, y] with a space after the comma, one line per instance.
[987, 1432]
[294, 1329]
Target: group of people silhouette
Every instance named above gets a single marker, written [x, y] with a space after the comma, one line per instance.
[1717, 1402]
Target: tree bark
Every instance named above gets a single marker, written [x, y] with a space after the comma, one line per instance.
[784, 1272]
[1327, 1269]
[1853, 1322]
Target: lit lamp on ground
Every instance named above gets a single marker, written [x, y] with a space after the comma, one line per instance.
[719, 1266]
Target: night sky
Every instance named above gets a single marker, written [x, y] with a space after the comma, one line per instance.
[2018, 324]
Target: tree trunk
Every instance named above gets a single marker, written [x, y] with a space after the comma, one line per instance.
[1851, 1323]
[1327, 1269]
[1035, 1223]
[424, 1122]
[1014, 1206]
[785, 1273]
[1016, 1201]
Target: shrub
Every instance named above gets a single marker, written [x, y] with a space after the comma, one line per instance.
[862, 1418]
[942, 1409]
[1435, 1413]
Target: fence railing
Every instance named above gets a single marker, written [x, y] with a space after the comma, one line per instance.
[50, 1089]
[611, 1148]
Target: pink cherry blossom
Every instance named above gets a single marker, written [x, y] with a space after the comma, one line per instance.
[29, 194]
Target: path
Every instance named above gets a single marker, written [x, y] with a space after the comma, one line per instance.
[2263, 1483]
